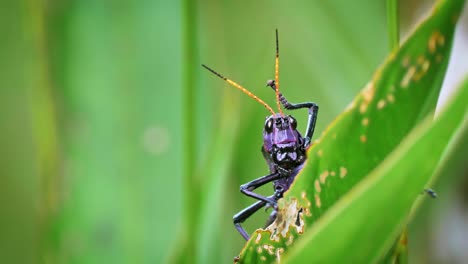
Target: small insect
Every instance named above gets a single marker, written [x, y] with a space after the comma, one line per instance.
[284, 149]
[431, 193]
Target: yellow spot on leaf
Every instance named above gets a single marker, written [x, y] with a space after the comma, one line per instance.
[257, 240]
[304, 197]
[439, 58]
[435, 40]
[290, 240]
[363, 138]
[262, 258]
[320, 153]
[367, 95]
[269, 248]
[365, 121]
[425, 66]
[343, 172]
[381, 104]
[368, 92]
[279, 251]
[363, 108]
[406, 79]
[318, 203]
[390, 98]
[332, 173]
[323, 177]
[259, 249]
[350, 106]
[431, 44]
[317, 186]
[377, 75]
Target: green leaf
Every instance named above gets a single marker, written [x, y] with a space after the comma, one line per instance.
[369, 218]
[402, 92]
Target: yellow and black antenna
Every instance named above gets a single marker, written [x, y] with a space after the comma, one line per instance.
[238, 86]
[277, 76]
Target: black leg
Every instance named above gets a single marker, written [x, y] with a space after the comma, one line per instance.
[313, 112]
[248, 188]
[271, 218]
[241, 216]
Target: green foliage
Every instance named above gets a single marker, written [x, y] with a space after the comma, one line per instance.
[400, 94]
[314, 66]
[369, 218]
[117, 147]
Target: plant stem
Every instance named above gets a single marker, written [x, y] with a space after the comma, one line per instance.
[190, 190]
[392, 24]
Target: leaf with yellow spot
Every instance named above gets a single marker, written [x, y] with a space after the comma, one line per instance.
[401, 93]
[363, 225]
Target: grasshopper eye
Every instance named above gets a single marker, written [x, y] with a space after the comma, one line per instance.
[293, 122]
[269, 125]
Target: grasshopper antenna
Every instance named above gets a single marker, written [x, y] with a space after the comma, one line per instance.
[238, 86]
[277, 76]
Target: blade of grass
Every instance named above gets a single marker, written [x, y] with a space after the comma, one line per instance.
[393, 24]
[44, 120]
[190, 185]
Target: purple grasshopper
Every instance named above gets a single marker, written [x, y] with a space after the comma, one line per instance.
[284, 149]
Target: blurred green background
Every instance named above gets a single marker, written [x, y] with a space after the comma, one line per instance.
[109, 122]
